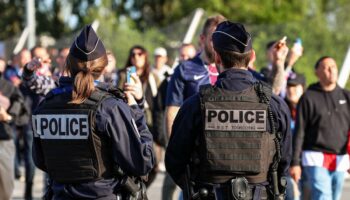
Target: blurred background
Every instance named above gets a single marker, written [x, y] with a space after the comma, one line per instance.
[322, 25]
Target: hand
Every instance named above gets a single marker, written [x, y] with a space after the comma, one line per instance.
[36, 63]
[295, 173]
[280, 51]
[130, 98]
[295, 53]
[4, 116]
[135, 88]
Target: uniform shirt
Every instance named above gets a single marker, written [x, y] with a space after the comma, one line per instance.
[188, 124]
[132, 149]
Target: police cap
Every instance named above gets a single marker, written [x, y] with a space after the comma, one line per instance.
[230, 36]
[87, 46]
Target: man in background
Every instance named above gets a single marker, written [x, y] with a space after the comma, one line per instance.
[185, 82]
[10, 106]
[321, 133]
[186, 52]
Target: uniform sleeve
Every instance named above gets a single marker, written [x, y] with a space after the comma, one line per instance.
[38, 84]
[182, 140]
[299, 134]
[283, 126]
[175, 89]
[131, 140]
[37, 153]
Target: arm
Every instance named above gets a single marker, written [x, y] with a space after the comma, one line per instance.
[186, 126]
[170, 114]
[280, 51]
[38, 84]
[132, 143]
[174, 98]
[283, 120]
[294, 55]
[298, 138]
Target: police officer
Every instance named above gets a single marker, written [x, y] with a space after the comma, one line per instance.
[232, 140]
[91, 141]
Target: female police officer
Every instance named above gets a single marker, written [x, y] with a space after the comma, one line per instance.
[87, 137]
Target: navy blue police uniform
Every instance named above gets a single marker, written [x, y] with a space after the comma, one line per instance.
[90, 150]
[190, 127]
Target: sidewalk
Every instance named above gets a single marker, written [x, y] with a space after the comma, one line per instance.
[154, 192]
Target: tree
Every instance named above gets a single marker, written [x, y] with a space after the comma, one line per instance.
[11, 15]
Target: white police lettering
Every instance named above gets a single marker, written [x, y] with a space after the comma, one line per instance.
[70, 127]
[235, 120]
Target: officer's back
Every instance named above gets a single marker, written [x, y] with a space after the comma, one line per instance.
[87, 138]
[232, 140]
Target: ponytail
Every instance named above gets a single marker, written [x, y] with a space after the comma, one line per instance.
[83, 87]
[84, 74]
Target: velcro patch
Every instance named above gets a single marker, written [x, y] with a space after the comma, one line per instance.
[235, 120]
[70, 127]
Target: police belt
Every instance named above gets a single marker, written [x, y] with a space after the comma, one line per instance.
[255, 192]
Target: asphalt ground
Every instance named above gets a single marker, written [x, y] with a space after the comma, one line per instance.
[154, 192]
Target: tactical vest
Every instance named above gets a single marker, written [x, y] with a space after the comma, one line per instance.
[74, 151]
[235, 140]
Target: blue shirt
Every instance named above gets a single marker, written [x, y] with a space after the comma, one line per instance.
[132, 149]
[188, 77]
[10, 72]
[185, 81]
[188, 125]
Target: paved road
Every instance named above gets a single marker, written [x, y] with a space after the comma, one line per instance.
[154, 193]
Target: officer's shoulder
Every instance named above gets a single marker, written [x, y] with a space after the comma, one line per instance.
[279, 103]
[110, 91]
[193, 102]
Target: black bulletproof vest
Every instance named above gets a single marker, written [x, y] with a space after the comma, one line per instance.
[235, 140]
[73, 149]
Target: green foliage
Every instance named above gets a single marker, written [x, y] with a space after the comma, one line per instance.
[322, 25]
[120, 35]
[11, 15]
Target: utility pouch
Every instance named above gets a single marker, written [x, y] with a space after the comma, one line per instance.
[240, 189]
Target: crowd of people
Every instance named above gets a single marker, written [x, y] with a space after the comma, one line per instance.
[309, 126]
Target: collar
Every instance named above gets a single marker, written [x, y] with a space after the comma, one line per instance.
[66, 81]
[233, 73]
[235, 79]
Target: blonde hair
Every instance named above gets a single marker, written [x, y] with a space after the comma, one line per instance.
[84, 74]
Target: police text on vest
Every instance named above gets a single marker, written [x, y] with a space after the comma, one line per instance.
[61, 126]
[235, 120]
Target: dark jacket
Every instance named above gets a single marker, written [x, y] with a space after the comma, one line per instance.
[132, 148]
[323, 122]
[10, 91]
[188, 125]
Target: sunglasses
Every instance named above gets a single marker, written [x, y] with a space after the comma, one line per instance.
[138, 54]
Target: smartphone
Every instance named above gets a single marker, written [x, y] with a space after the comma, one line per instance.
[298, 48]
[129, 71]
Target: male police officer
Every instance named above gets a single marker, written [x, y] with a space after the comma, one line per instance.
[232, 140]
